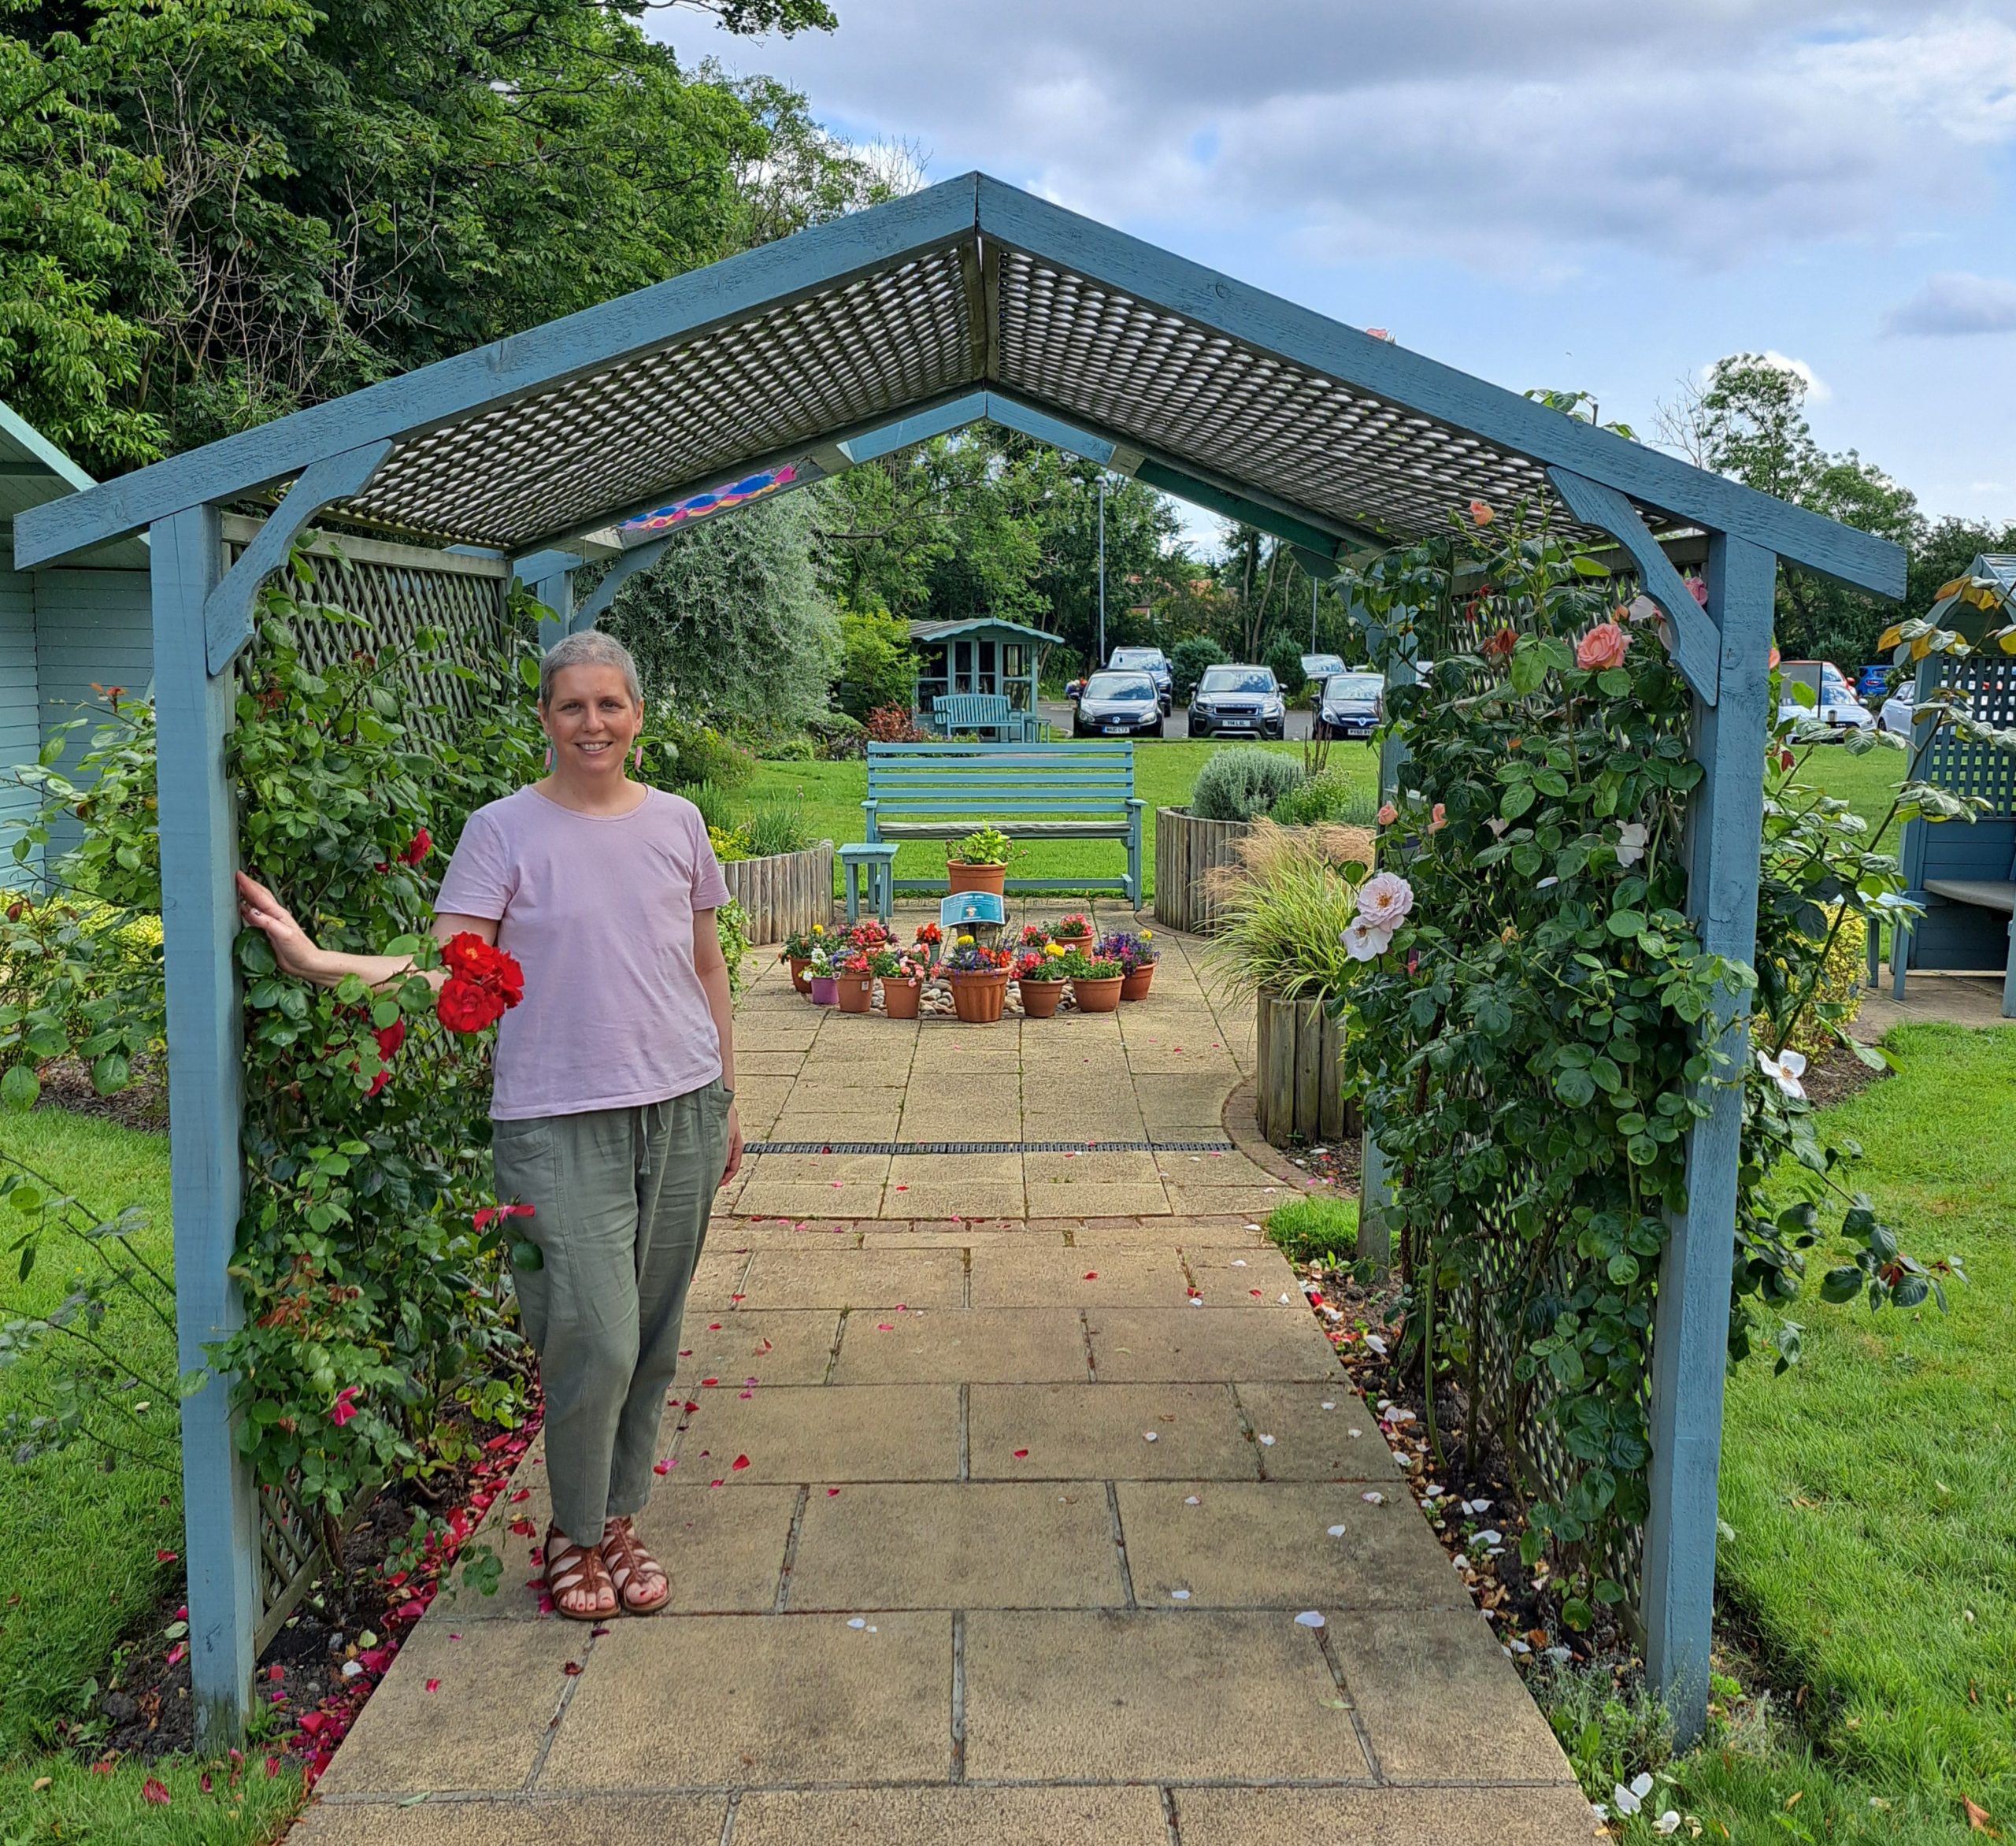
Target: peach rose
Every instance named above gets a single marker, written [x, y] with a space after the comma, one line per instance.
[1602, 647]
[1388, 814]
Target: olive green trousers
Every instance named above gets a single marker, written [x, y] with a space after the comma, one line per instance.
[620, 1200]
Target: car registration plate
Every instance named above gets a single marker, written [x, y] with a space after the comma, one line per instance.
[1115, 730]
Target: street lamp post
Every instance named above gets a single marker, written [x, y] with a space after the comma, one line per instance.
[1102, 659]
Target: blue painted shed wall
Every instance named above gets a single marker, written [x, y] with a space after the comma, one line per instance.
[19, 736]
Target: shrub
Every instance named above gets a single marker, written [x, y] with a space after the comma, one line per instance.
[891, 724]
[788, 750]
[1283, 905]
[731, 924]
[774, 828]
[877, 668]
[1240, 782]
[839, 737]
[1326, 797]
[730, 843]
[1837, 995]
[1284, 655]
[697, 753]
[1188, 660]
[1315, 1228]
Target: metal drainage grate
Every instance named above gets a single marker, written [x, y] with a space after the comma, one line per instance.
[989, 1148]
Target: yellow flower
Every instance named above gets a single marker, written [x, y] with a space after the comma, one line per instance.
[965, 942]
[1054, 948]
[818, 929]
[1148, 935]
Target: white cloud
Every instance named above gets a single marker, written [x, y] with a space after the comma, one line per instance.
[1816, 391]
[1954, 302]
[1508, 138]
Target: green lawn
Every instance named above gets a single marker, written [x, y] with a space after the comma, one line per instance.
[1870, 1489]
[829, 796]
[78, 1546]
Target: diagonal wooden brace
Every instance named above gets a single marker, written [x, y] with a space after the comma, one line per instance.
[1697, 647]
[227, 609]
[639, 558]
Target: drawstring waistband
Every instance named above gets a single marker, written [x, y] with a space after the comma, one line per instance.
[652, 1118]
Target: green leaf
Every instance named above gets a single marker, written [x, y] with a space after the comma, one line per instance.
[527, 1257]
[20, 1088]
[110, 1073]
[1840, 1285]
[1516, 799]
[1625, 923]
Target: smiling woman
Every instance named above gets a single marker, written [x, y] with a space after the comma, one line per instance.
[613, 1109]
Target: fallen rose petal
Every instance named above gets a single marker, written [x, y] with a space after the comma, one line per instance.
[740, 1463]
[572, 1670]
[832, 1492]
[177, 1654]
[434, 1685]
[1021, 1454]
[153, 1791]
[165, 1557]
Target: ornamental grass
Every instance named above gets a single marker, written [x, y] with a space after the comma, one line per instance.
[1283, 905]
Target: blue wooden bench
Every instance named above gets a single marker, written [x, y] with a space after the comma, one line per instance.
[1965, 877]
[1030, 791]
[953, 712]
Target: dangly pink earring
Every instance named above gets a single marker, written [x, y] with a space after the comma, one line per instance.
[637, 759]
[548, 759]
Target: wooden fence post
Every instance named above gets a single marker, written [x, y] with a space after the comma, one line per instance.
[1690, 1334]
[200, 911]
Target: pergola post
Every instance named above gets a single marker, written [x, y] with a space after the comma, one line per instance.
[1690, 1334]
[198, 854]
[549, 576]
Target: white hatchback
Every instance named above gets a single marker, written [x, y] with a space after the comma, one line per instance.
[1827, 698]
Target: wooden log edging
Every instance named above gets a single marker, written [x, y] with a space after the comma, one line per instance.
[1297, 1072]
[1186, 848]
[785, 892]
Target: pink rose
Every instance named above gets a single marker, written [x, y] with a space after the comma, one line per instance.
[1480, 512]
[1388, 814]
[1437, 819]
[1384, 899]
[1602, 647]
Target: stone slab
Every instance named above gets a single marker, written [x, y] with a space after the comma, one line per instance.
[779, 1347]
[481, 1729]
[1151, 1697]
[825, 1433]
[964, 1545]
[863, 1278]
[1202, 1201]
[1436, 1693]
[1247, 1545]
[1140, 1345]
[807, 1199]
[1312, 1444]
[1006, 1276]
[722, 1550]
[854, 1118]
[986, 1198]
[1097, 1201]
[956, 1169]
[621, 1820]
[1227, 1276]
[959, 1345]
[815, 1169]
[1100, 1433]
[1383, 1817]
[953, 1817]
[729, 1700]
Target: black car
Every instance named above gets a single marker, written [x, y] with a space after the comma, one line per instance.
[1238, 700]
[1352, 706]
[1118, 705]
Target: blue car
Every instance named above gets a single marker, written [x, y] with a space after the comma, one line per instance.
[1869, 682]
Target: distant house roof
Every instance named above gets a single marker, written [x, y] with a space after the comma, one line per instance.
[980, 624]
[32, 470]
[1989, 586]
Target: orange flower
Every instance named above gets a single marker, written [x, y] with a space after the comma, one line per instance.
[1499, 646]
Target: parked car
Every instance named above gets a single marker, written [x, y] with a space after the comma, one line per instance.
[1152, 661]
[1322, 667]
[1245, 700]
[1832, 700]
[1870, 681]
[1896, 715]
[1118, 705]
[1353, 705]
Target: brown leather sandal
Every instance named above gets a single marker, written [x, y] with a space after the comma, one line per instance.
[628, 1562]
[576, 1567]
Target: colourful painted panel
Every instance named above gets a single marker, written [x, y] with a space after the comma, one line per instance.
[751, 487]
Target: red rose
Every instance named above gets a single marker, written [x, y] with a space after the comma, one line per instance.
[465, 1006]
[391, 1037]
[417, 848]
[463, 953]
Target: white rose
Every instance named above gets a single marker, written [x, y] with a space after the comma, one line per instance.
[1384, 901]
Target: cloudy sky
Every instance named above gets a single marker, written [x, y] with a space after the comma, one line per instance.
[1598, 193]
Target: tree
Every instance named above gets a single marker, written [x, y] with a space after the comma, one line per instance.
[1748, 421]
[731, 625]
[877, 668]
[297, 201]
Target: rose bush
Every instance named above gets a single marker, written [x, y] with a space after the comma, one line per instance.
[1527, 1031]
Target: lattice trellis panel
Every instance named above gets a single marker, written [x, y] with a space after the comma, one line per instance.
[289, 1555]
[600, 444]
[1196, 394]
[1952, 763]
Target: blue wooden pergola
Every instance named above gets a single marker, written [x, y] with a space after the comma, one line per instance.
[611, 429]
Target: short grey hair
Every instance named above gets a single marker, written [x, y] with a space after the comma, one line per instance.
[588, 647]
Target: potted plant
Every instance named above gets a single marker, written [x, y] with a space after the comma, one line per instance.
[1030, 935]
[979, 980]
[870, 933]
[1137, 956]
[1094, 981]
[798, 951]
[903, 977]
[979, 862]
[1040, 978]
[1075, 931]
[930, 939]
[854, 980]
[820, 973]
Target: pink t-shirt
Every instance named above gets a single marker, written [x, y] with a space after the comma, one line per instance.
[598, 910]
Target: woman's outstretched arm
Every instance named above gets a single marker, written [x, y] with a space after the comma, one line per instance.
[298, 955]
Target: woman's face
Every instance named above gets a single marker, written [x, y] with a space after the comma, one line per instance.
[591, 720]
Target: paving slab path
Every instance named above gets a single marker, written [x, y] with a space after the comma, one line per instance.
[1020, 1500]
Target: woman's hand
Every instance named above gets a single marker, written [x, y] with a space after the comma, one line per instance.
[734, 1146]
[264, 912]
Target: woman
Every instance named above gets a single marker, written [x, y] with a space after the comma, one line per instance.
[613, 1109]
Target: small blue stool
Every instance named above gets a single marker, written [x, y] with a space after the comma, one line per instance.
[878, 861]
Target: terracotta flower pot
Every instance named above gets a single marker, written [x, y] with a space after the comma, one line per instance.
[799, 979]
[963, 877]
[1082, 939]
[1097, 996]
[1134, 986]
[823, 990]
[855, 992]
[1040, 999]
[901, 998]
[978, 998]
